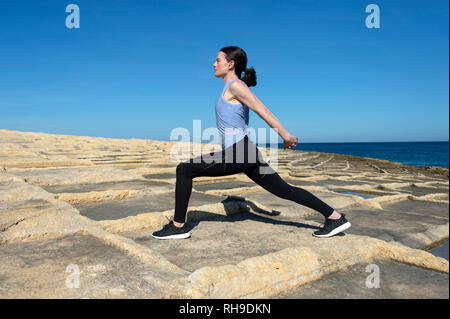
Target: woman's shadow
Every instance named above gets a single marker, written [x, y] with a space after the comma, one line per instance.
[195, 217]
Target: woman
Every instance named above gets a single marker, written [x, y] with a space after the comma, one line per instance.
[232, 108]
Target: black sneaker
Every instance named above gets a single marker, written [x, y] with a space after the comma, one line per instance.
[333, 227]
[170, 231]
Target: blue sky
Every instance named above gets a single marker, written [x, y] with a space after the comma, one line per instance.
[139, 69]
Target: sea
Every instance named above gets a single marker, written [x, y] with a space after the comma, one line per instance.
[410, 153]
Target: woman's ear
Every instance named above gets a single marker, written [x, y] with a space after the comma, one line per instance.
[231, 64]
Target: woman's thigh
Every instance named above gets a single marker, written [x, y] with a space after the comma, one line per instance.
[213, 164]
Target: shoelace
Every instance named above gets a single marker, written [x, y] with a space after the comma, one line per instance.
[167, 226]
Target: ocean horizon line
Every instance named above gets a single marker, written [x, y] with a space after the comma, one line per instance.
[169, 140]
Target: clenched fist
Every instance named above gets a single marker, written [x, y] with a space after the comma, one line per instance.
[290, 141]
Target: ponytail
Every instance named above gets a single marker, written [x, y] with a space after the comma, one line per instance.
[249, 77]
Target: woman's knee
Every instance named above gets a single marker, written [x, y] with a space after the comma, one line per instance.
[285, 192]
[276, 185]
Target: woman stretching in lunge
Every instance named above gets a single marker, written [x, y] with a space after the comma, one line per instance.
[232, 110]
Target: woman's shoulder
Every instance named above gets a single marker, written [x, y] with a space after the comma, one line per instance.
[237, 83]
[238, 87]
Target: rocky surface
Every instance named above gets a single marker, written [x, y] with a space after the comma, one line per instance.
[357, 282]
[82, 209]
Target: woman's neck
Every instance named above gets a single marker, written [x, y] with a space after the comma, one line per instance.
[228, 78]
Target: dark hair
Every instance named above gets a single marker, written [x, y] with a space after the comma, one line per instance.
[240, 64]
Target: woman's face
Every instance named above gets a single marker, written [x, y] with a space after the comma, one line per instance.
[221, 65]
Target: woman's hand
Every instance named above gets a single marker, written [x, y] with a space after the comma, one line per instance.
[290, 141]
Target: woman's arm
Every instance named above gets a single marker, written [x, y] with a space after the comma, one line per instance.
[242, 93]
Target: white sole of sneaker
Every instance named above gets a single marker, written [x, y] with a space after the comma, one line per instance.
[336, 230]
[179, 236]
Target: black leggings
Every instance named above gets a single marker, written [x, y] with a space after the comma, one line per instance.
[245, 157]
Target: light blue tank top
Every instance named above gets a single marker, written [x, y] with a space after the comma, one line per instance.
[231, 119]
